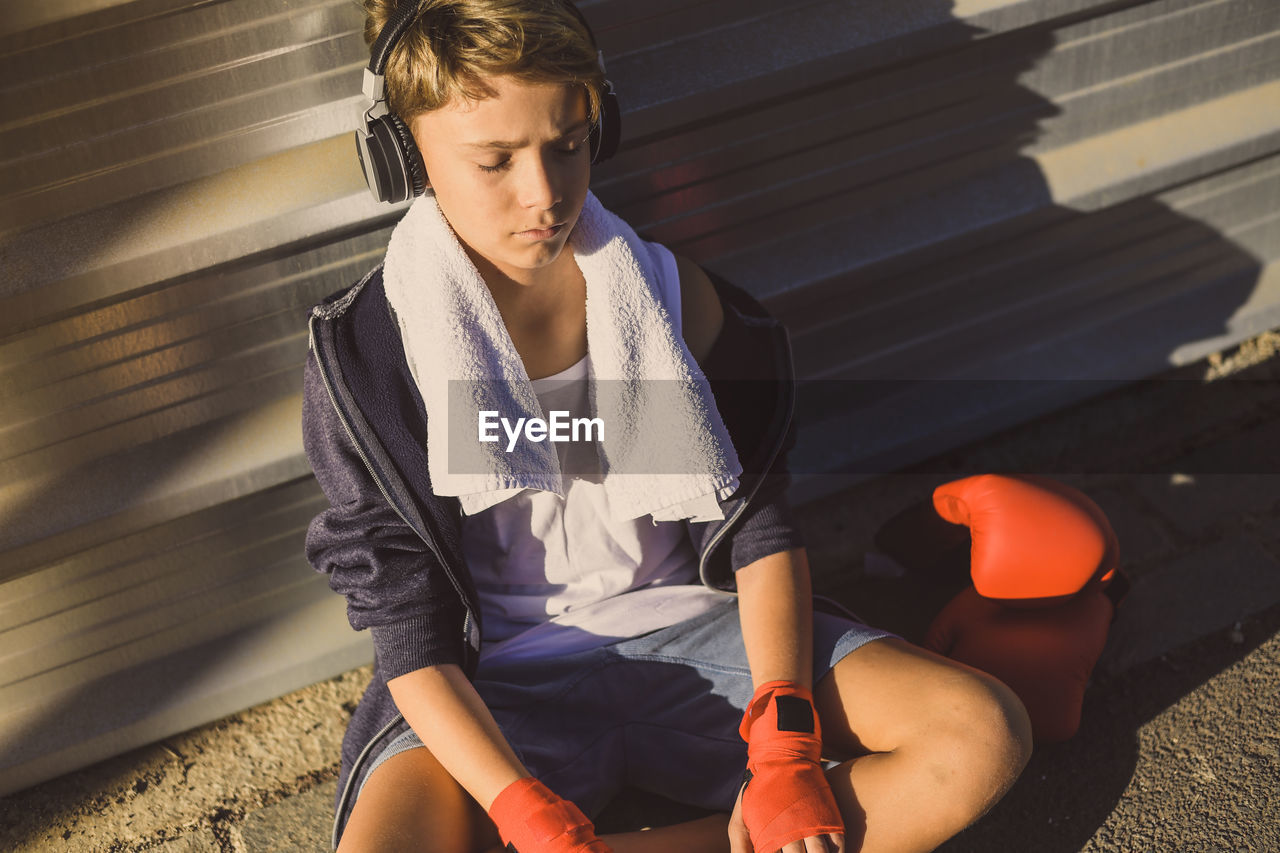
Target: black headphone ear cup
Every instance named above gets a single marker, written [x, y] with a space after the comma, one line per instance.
[608, 130]
[392, 164]
[415, 171]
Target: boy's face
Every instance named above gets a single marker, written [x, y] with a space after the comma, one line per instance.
[510, 172]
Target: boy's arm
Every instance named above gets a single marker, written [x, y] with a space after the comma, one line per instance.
[453, 723]
[775, 605]
[774, 596]
[393, 587]
[786, 799]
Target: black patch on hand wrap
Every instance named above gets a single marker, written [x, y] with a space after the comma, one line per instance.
[794, 714]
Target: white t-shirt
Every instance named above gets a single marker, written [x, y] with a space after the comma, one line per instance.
[556, 575]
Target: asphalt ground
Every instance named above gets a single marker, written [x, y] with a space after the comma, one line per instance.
[1179, 748]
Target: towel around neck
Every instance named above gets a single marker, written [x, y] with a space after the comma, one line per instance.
[665, 451]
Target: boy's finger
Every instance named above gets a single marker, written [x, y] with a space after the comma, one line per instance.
[739, 839]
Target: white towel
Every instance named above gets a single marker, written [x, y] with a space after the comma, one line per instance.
[665, 450]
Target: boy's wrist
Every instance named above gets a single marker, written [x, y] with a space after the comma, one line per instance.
[533, 819]
[781, 711]
[786, 798]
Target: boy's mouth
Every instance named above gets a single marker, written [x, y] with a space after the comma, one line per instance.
[540, 233]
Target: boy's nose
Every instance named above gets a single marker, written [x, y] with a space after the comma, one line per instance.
[539, 186]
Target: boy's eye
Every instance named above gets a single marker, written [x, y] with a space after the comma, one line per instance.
[568, 151]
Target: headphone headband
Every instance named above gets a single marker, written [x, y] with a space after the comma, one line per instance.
[400, 20]
[390, 158]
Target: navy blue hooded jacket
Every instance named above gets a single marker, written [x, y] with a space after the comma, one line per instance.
[393, 548]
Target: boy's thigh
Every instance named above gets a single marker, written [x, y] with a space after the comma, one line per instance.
[411, 803]
[889, 693]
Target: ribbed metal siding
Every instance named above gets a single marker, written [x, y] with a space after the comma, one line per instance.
[1046, 189]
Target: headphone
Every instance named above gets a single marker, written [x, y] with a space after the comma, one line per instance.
[388, 155]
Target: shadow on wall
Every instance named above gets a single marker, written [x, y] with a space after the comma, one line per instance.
[1026, 268]
[938, 218]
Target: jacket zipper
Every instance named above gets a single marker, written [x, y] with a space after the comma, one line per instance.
[333, 401]
[773, 455]
[468, 623]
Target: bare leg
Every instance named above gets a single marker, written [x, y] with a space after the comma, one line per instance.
[705, 835]
[411, 803]
[936, 744]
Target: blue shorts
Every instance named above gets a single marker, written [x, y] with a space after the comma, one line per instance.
[658, 712]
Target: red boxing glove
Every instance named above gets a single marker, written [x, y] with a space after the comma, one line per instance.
[1034, 540]
[1045, 655]
[787, 798]
[534, 820]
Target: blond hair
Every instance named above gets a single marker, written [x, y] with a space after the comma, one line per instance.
[453, 45]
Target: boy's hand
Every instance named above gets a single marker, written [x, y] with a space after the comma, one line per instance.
[532, 819]
[786, 803]
[740, 839]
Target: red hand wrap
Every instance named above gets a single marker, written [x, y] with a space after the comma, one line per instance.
[535, 820]
[788, 798]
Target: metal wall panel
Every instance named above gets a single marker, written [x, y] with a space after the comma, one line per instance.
[993, 190]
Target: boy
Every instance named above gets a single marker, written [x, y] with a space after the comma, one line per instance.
[611, 653]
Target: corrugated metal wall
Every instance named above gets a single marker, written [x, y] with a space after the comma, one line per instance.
[923, 189]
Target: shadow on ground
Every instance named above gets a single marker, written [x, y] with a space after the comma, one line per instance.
[1179, 752]
[1070, 790]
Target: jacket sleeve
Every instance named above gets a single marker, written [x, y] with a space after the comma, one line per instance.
[736, 367]
[767, 526]
[393, 583]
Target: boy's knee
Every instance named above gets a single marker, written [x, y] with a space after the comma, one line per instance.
[982, 731]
